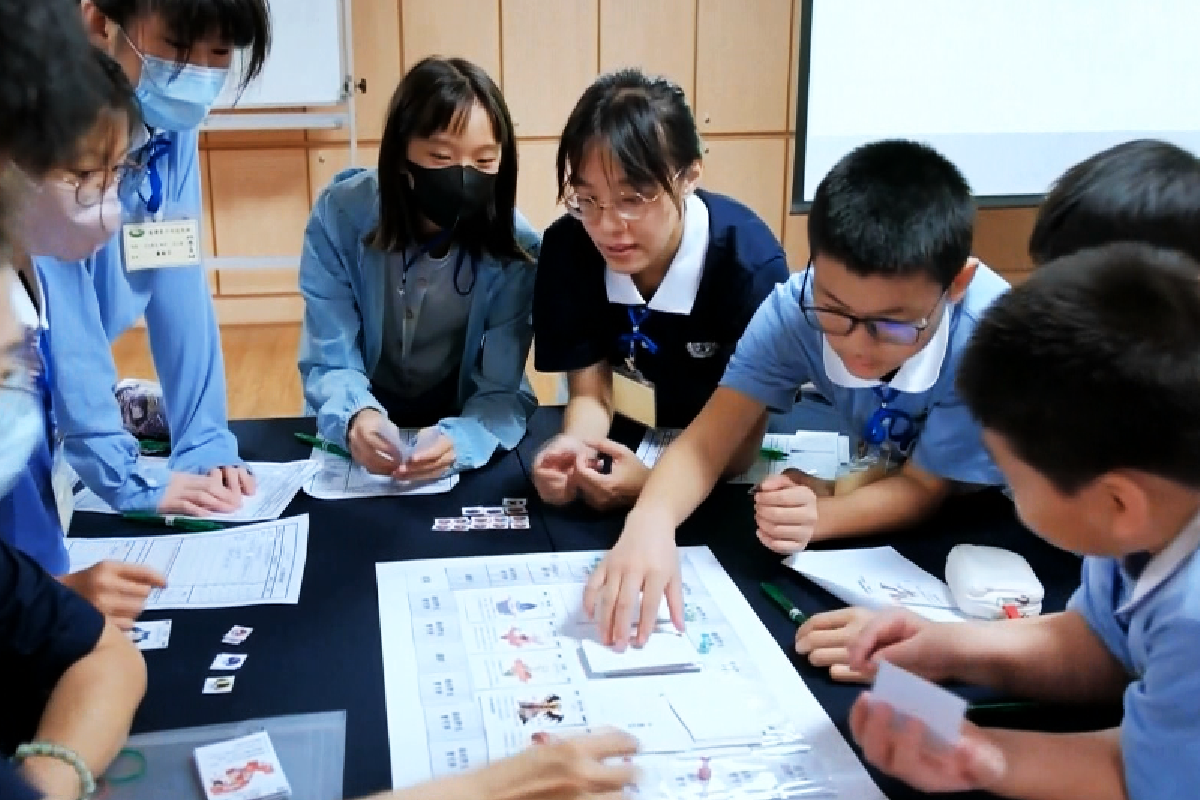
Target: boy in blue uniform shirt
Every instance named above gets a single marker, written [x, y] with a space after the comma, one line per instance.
[878, 322]
[1118, 328]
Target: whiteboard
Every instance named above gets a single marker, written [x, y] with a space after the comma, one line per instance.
[305, 66]
[1012, 91]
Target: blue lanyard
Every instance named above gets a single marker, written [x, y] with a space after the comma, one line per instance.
[44, 381]
[635, 338]
[153, 151]
[889, 424]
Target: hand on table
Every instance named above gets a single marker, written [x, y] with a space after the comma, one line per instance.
[785, 513]
[906, 640]
[641, 568]
[430, 462]
[198, 496]
[906, 751]
[826, 639]
[117, 590]
[368, 447]
[554, 469]
[620, 486]
[238, 480]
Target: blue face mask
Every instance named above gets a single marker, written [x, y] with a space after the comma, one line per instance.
[21, 412]
[176, 98]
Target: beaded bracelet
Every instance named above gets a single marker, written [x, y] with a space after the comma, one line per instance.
[64, 754]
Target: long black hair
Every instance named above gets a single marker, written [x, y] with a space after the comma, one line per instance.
[116, 95]
[437, 94]
[643, 120]
[245, 24]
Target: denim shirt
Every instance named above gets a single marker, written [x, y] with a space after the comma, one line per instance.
[343, 282]
[92, 302]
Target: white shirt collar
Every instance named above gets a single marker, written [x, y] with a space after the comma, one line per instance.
[918, 374]
[677, 292]
[1161, 567]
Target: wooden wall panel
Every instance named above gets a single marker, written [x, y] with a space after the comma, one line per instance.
[468, 29]
[656, 35]
[742, 59]
[750, 170]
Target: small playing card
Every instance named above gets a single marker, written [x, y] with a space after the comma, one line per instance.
[399, 441]
[519, 523]
[220, 685]
[247, 768]
[498, 523]
[229, 661]
[151, 635]
[479, 523]
[493, 511]
[514, 501]
[474, 511]
[445, 520]
[460, 527]
[443, 526]
[237, 634]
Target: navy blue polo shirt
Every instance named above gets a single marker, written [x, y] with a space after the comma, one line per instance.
[728, 263]
[44, 629]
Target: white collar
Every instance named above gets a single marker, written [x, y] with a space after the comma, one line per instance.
[918, 374]
[677, 292]
[1161, 567]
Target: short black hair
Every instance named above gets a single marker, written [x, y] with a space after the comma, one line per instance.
[644, 121]
[49, 82]
[245, 24]
[1093, 365]
[894, 208]
[437, 94]
[1140, 191]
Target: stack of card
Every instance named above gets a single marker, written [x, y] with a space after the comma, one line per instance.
[242, 769]
[512, 515]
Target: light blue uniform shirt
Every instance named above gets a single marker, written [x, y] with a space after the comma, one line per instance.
[780, 352]
[343, 281]
[92, 302]
[1150, 621]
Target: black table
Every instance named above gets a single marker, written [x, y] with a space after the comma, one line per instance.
[325, 653]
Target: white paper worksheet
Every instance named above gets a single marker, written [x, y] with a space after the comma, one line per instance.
[338, 478]
[275, 486]
[260, 564]
[819, 453]
[482, 655]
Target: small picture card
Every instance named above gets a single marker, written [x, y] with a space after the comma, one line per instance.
[246, 768]
[474, 511]
[237, 634]
[939, 710]
[497, 523]
[513, 502]
[151, 635]
[479, 523]
[219, 685]
[519, 523]
[229, 661]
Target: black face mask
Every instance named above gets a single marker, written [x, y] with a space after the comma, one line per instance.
[448, 195]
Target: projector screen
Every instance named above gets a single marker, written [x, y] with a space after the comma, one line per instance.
[1011, 91]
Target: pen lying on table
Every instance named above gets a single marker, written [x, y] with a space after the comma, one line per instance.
[190, 524]
[780, 599]
[321, 444]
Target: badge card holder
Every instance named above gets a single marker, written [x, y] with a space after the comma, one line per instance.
[887, 437]
[154, 245]
[633, 395]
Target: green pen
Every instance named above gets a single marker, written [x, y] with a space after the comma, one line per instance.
[794, 614]
[190, 524]
[772, 454]
[321, 444]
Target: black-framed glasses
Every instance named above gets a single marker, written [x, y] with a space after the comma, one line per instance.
[833, 322]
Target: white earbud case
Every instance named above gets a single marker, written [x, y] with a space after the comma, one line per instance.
[983, 580]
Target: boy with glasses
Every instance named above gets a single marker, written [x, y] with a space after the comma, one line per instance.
[877, 322]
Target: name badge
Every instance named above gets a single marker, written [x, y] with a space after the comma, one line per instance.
[633, 396]
[62, 480]
[154, 245]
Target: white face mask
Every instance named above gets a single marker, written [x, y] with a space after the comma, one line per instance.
[51, 222]
[21, 430]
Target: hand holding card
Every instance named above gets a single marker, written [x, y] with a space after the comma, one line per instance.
[398, 441]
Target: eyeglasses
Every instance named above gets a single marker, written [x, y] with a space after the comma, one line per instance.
[90, 185]
[838, 323]
[628, 207]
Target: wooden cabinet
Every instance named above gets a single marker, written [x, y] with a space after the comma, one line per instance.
[325, 162]
[751, 170]
[1002, 240]
[537, 195]
[795, 226]
[550, 55]
[376, 42]
[468, 29]
[794, 69]
[742, 57]
[656, 35]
